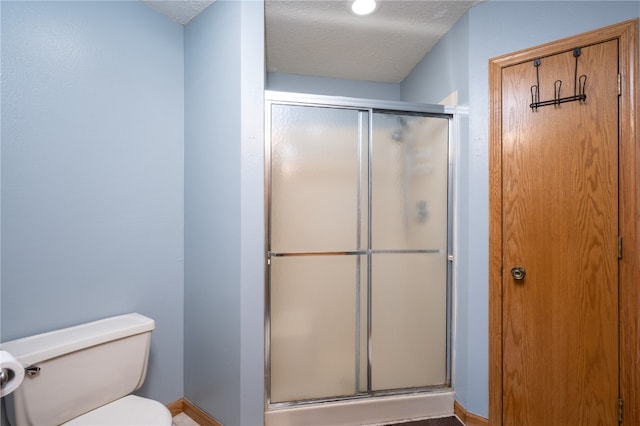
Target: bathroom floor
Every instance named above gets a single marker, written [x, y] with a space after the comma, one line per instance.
[183, 420]
[442, 421]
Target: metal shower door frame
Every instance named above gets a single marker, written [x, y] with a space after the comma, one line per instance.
[369, 107]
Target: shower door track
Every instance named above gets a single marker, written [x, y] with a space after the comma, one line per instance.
[363, 106]
[360, 396]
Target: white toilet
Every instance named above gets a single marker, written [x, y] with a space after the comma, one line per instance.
[84, 375]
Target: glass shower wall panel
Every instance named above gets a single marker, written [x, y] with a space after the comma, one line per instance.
[409, 320]
[318, 169]
[410, 169]
[317, 329]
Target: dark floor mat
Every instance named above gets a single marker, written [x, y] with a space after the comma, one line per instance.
[442, 421]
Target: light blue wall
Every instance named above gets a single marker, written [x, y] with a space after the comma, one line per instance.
[492, 29]
[333, 86]
[444, 70]
[252, 227]
[212, 211]
[224, 299]
[92, 173]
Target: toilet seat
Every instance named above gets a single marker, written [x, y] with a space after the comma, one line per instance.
[128, 411]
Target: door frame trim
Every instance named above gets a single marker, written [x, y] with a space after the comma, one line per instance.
[629, 210]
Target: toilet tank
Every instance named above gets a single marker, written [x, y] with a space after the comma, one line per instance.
[80, 368]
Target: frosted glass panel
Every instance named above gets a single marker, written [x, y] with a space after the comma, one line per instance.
[319, 230]
[409, 322]
[316, 326]
[409, 182]
[317, 178]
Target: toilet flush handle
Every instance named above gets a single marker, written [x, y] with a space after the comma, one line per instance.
[32, 370]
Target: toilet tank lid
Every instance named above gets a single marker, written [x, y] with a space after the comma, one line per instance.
[41, 347]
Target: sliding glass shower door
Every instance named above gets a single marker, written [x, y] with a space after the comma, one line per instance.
[409, 243]
[357, 251]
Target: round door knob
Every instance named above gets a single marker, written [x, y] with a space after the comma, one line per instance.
[518, 273]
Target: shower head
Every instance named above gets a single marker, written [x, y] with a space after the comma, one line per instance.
[398, 133]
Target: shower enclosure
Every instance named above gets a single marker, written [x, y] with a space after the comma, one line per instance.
[358, 249]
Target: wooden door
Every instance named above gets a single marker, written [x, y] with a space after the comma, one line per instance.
[564, 341]
[560, 224]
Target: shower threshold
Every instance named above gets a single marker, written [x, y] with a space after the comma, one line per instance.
[366, 411]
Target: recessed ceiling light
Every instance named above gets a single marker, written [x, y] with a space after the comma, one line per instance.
[363, 7]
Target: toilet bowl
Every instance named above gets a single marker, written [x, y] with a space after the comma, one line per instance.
[130, 410]
[84, 375]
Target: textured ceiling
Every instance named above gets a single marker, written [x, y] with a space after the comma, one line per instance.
[324, 38]
[181, 11]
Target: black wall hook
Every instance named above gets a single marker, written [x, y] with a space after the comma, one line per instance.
[579, 85]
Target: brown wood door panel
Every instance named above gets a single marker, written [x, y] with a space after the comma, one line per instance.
[537, 375]
[560, 222]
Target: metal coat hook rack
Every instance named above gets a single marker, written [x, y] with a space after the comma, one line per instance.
[579, 84]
